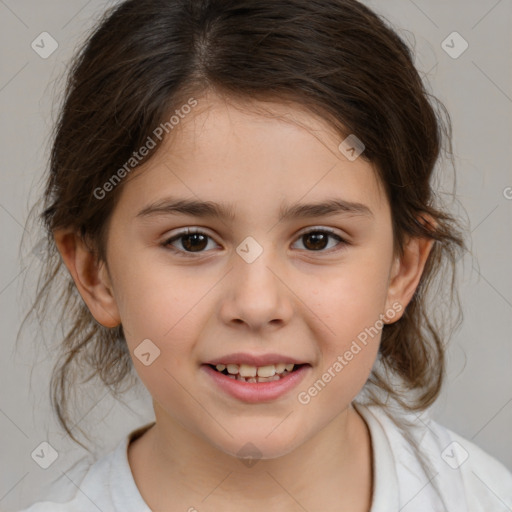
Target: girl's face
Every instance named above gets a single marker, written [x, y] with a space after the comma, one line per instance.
[253, 282]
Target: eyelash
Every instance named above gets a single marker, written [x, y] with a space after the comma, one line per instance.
[168, 243]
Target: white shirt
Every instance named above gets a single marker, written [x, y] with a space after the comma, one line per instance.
[467, 478]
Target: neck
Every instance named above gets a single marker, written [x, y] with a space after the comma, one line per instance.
[174, 469]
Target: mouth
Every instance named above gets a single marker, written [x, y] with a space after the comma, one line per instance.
[255, 384]
[256, 374]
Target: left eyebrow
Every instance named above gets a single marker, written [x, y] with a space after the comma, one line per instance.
[332, 206]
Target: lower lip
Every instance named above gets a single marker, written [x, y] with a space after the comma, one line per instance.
[254, 392]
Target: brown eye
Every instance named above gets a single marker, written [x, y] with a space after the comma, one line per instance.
[194, 242]
[315, 240]
[188, 242]
[318, 240]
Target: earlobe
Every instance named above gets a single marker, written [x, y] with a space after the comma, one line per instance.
[90, 276]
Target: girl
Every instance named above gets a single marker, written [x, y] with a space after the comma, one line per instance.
[242, 195]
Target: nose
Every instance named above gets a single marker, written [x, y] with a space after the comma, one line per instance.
[257, 295]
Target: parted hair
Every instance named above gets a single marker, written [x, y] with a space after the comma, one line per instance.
[335, 58]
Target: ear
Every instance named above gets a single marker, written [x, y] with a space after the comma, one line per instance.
[90, 276]
[407, 270]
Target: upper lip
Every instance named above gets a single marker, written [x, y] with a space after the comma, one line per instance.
[254, 360]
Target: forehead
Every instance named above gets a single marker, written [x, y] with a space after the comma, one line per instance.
[254, 153]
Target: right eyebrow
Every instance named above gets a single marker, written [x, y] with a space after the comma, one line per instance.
[170, 206]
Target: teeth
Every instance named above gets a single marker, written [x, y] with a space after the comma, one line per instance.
[281, 367]
[265, 379]
[250, 372]
[267, 371]
[247, 371]
[254, 380]
[233, 369]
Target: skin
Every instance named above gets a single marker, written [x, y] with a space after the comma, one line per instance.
[306, 303]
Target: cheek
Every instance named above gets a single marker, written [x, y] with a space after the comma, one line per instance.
[163, 320]
[169, 308]
[348, 343]
[155, 301]
[350, 303]
[351, 297]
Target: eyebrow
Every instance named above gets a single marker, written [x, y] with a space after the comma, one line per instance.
[330, 206]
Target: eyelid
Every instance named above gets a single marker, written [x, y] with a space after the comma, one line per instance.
[310, 229]
[189, 231]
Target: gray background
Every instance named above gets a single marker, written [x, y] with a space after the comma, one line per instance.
[477, 89]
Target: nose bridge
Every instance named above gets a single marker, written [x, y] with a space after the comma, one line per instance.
[252, 271]
[258, 296]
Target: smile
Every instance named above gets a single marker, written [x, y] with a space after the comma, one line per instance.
[256, 383]
[253, 374]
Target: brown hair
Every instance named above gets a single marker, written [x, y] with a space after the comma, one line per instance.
[335, 58]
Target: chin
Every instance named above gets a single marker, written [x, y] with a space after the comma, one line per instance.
[258, 444]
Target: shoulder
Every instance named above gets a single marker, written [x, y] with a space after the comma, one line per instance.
[487, 483]
[77, 488]
[106, 484]
[461, 474]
